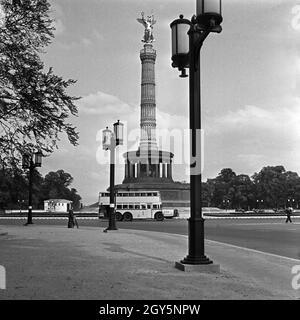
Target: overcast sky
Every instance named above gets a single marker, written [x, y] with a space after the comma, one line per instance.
[250, 83]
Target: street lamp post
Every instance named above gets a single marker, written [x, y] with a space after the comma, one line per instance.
[110, 141]
[30, 162]
[187, 40]
[226, 204]
[20, 202]
[291, 201]
[259, 203]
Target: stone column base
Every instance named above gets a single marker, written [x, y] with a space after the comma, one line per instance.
[206, 268]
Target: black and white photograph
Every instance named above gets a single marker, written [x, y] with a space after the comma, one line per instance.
[149, 155]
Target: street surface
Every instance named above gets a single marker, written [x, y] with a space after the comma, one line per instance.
[54, 262]
[267, 235]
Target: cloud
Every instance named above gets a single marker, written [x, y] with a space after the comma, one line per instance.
[101, 103]
[280, 119]
[255, 136]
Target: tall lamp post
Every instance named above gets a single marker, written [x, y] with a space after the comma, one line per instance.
[259, 203]
[226, 204]
[30, 162]
[187, 39]
[110, 141]
[291, 201]
[20, 202]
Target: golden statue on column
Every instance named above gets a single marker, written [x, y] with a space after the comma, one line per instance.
[148, 24]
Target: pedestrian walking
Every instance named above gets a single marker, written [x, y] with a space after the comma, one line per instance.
[75, 222]
[72, 219]
[289, 212]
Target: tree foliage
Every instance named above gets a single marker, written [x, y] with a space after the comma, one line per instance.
[272, 187]
[55, 185]
[34, 104]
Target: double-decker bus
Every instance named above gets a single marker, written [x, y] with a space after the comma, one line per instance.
[135, 205]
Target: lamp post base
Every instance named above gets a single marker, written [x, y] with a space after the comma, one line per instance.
[111, 228]
[28, 223]
[196, 260]
[207, 268]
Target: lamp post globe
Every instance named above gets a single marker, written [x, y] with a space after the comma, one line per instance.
[209, 14]
[25, 161]
[38, 159]
[180, 44]
[119, 132]
[106, 139]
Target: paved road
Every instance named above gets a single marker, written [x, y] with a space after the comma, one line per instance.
[267, 235]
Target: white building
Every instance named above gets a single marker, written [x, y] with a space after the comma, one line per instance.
[57, 205]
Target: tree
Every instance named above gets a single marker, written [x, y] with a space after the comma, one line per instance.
[208, 189]
[223, 187]
[56, 185]
[13, 188]
[242, 192]
[271, 186]
[34, 105]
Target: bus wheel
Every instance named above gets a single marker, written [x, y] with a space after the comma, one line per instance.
[127, 216]
[159, 216]
[119, 216]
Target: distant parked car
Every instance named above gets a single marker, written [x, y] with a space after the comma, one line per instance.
[258, 210]
[239, 211]
[279, 210]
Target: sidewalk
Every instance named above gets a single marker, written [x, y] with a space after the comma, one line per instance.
[54, 262]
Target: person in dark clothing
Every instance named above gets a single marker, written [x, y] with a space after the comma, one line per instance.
[75, 222]
[289, 212]
[72, 219]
